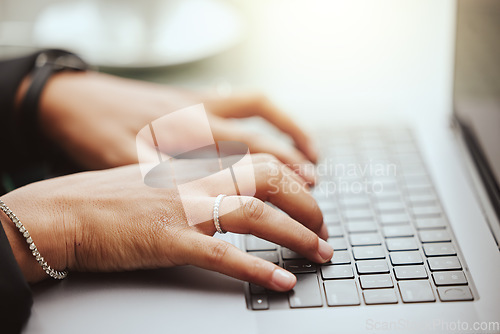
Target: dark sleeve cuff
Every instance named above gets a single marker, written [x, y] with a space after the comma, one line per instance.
[13, 72]
[15, 292]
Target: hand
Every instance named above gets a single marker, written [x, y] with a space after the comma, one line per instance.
[111, 221]
[96, 117]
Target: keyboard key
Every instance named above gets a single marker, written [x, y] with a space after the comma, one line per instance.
[338, 243]
[422, 199]
[418, 189]
[401, 244]
[426, 211]
[454, 293]
[416, 291]
[380, 296]
[376, 281]
[368, 252]
[259, 302]
[337, 271]
[270, 256]
[365, 239]
[434, 235]
[341, 257]
[361, 226]
[372, 267]
[387, 195]
[449, 278]
[300, 266]
[393, 218]
[257, 289]
[430, 223]
[393, 231]
[256, 244]
[410, 272]
[409, 159]
[335, 231]
[413, 180]
[341, 293]
[357, 214]
[331, 218]
[402, 258]
[354, 201]
[396, 206]
[439, 249]
[306, 292]
[444, 263]
[289, 254]
[327, 205]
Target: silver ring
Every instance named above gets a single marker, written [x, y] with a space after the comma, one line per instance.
[218, 200]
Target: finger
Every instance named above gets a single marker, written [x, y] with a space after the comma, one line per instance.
[217, 255]
[286, 124]
[266, 157]
[257, 105]
[265, 144]
[270, 181]
[286, 154]
[273, 183]
[249, 215]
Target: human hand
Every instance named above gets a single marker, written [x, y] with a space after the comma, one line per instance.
[111, 221]
[96, 117]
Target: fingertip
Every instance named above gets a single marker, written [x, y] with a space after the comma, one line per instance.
[283, 280]
[325, 250]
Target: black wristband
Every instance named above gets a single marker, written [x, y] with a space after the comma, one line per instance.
[47, 63]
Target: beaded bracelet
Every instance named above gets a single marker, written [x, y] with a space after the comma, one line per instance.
[41, 261]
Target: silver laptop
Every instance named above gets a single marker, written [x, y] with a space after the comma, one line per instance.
[412, 213]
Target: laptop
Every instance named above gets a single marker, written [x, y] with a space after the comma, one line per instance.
[412, 213]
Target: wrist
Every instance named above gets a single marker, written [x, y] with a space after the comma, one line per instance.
[49, 239]
[21, 91]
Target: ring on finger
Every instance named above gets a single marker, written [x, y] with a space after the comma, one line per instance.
[218, 200]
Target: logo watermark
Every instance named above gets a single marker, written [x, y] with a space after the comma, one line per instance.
[178, 151]
[437, 325]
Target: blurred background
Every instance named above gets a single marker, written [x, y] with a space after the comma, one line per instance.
[341, 61]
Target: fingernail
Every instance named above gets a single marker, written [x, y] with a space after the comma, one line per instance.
[324, 250]
[283, 279]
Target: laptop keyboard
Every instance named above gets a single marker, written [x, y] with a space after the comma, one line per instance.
[392, 241]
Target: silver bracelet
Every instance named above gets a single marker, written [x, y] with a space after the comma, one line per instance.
[41, 261]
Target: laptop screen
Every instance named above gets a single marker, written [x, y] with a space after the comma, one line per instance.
[477, 86]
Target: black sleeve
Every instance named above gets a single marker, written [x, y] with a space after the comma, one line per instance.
[12, 73]
[27, 155]
[15, 293]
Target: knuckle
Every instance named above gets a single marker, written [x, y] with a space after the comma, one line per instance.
[273, 168]
[253, 209]
[253, 270]
[218, 252]
[310, 241]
